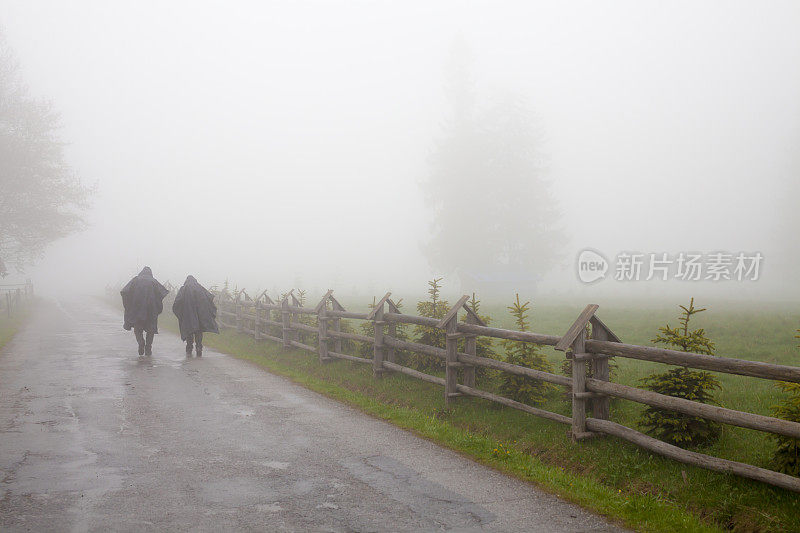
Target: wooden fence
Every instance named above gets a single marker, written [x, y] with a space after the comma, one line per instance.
[13, 297]
[280, 322]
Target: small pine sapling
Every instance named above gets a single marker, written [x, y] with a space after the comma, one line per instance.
[681, 429]
[434, 307]
[305, 319]
[527, 354]
[682, 338]
[366, 349]
[787, 454]
[401, 333]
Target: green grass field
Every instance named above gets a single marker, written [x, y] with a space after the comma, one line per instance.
[10, 325]
[615, 478]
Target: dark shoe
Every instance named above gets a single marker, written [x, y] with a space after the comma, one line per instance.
[148, 350]
[141, 349]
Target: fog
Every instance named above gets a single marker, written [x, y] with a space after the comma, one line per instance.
[289, 144]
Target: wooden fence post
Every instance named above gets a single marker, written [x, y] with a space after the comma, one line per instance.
[601, 404]
[579, 386]
[377, 351]
[575, 337]
[322, 327]
[285, 319]
[376, 315]
[322, 333]
[449, 323]
[256, 310]
[471, 344]
[451, 362]
[391, 327]
[295, 317]
[470, 348]
[238, 311]
[337, 324]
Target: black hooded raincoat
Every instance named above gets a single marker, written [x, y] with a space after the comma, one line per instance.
[142, 299]
[195, 309]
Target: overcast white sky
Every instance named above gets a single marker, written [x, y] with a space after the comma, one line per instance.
[669, 126]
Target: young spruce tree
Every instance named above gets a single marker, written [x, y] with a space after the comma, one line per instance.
[435, 307]
[681, 429]
[521, 388]
[787, 454]
[308, 320]
[366, 349]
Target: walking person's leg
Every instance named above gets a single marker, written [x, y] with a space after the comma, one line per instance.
[189, 342]
[198, 339]
[139, 338]
[148, 345]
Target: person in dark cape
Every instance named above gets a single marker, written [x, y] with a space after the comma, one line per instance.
[196, 312]
[142, 299]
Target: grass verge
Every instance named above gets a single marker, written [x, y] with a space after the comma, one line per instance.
[9, 325]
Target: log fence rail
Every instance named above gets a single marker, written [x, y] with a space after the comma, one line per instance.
[280, 322]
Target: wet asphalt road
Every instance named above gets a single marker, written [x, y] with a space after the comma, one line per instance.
[94, 437]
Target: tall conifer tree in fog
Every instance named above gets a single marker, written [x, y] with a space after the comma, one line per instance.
[493, 211]
[41, 198]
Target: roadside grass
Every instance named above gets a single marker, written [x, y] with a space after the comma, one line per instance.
[610, 476]
[10, 325]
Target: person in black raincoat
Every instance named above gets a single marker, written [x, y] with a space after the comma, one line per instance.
[142, 299]
[196, 312]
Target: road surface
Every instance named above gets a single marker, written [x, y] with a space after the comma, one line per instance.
[94, 437]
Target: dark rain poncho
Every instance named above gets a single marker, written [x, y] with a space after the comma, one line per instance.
[142, 299]
[195, 309]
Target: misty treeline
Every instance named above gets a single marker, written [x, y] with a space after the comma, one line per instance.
[42, 199]
[493, 213]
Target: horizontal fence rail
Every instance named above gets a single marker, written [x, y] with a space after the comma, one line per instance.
[321, 333]
[714, 363]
